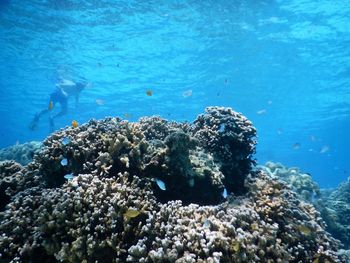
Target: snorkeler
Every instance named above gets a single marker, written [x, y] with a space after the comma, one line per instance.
[64, 89]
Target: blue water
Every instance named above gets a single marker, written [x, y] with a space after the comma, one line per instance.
[283, 64]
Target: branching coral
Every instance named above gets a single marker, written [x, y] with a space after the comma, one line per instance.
[335, 209]
[113, 210]
[299, 182]
[21, 153]
[230, 137]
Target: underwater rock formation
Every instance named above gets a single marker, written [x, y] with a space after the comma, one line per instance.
[20, 153]
[113, 209]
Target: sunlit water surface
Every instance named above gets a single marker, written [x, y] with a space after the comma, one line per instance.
[283, 64]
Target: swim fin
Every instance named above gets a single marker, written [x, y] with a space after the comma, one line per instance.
[34, 123]
[52, 125]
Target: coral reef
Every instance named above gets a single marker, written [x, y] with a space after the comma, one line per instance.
[113, 209]
[335, 209]
[299, 182]
[14, 178]
[333, 205]
[230, 137]
[184, 156]
[21, 153]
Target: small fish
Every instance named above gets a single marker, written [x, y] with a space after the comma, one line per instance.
[296, 146]
[279, 131]
[131, 213]
[254, 227]
[206, 223]
[100, 102]
[127, 115]
[64, 162]
[161, 184]
[224, 193]
[68, 176]
[187, 93]
[304, 229]
[51, 105]
[235, 246]
[191, 182]
[222, 127]
[313, 138]
[149, 92]
[74, 124]
[325, 149]
[65, 141]
[269, 102]
[259, 112]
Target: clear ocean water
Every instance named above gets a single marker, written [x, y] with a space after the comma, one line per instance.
[283, 64]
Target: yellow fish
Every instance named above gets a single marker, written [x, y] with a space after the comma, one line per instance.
[74, 124]
[127, 115]
[149, 92]
[235, 246]
[304, 229]
[254, 227]
[131, 213]
[51, 105]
